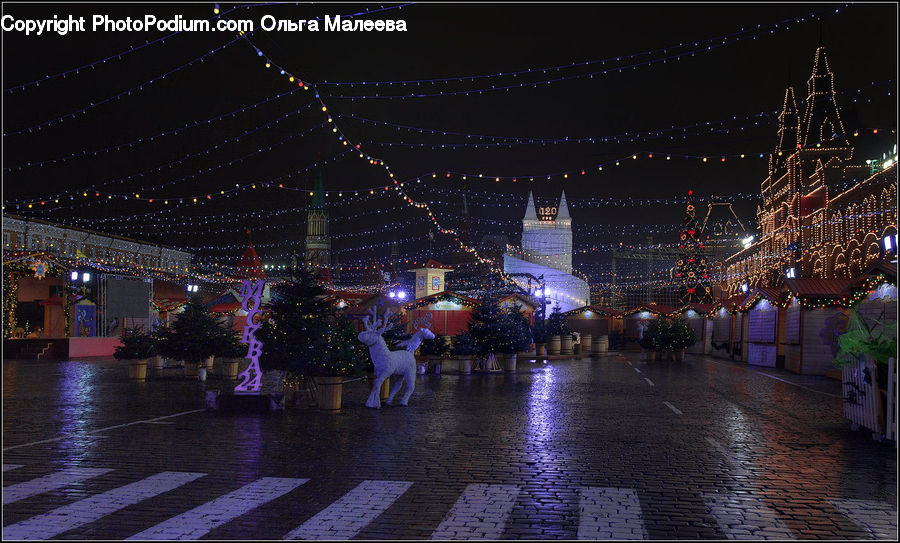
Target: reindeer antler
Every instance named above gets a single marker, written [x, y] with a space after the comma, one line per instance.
[372, 323]
[385, 323]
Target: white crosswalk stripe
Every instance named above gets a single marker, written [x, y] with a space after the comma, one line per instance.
[354, 511]
[745, 517]
[90, 509]
[480, 513]
[50, 482]
[7, 467]
[610, 513]
[879, 518]
[201, 520]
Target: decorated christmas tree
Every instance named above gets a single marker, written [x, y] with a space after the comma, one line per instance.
[484, 325]
[691, 273]
[302, 335]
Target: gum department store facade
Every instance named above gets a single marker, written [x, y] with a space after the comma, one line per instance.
[803, 226]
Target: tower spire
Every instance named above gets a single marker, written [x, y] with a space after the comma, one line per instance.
[821, 120]
[530, 211]
[563, 211]
[788, 134]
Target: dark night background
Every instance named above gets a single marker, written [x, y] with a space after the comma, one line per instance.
[733, 81]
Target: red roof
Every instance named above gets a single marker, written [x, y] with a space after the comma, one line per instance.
[810, 286]
[250, 266]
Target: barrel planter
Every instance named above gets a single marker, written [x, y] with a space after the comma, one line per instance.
[208, 363]
[540, 349]
[576, 348]
[328, 392]
[586, 340]
[565, 344]
[230, 368]
[385, 389]
[156, 362]
[602, 344]
[508, 362]
[555, 345]
[679, 355]
[190, 368]
[137, 369]
[464, 364]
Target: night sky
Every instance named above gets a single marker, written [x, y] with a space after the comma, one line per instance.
[731, 81]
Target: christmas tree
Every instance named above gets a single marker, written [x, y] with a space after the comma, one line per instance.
[691, 271]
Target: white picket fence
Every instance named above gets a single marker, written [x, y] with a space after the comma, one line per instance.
[862, 399]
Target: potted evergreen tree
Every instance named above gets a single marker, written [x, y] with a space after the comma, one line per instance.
[559, 331]
[484, 327]
[513, 336]
[302, 336]
[679, 336]
[436, 350]
[136, 349]
[159, 336]
[230, 353]
[464, 349]
[194, 336]
[541, 336]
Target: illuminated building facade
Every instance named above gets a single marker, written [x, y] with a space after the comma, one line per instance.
[805, 231]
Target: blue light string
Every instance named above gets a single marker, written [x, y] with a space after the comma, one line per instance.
[154, 137]
[128, 92]
[722, 38]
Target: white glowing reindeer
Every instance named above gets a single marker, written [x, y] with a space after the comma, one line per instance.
[388, 362]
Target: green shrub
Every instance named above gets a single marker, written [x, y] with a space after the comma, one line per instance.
[135, 346]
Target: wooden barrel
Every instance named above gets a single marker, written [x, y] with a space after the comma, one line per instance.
[464, 364]
[328, 392]
[540, 349]
[230, 368]
[586, 340]
[565, 344]
[508, 361]
[156, 362]
[208, 363]
[190, 369]
[137, 370]
[603, 345]
[385, 389]
[554, 346]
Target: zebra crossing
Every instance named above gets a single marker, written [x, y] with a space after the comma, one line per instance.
[481, 511]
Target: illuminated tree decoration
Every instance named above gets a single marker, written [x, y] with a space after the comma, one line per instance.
[40, 269]
[251, 292]
[691, 271]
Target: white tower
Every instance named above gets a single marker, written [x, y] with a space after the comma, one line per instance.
[547, 235]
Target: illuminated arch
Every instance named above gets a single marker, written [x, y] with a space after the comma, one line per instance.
[854, 268]
[840, 266]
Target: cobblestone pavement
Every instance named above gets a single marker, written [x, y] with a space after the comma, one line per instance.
[609, 448]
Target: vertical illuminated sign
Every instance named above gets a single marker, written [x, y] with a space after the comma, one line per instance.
[251, 378]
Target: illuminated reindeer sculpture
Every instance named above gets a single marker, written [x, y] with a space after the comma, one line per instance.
[388, 362]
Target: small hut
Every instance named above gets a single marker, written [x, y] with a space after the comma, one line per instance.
[595, 320]
[760, 334]
[725, 333]
[448, 312]
[639, 318]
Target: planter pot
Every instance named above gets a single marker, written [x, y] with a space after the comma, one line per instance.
[679, 355]
[651, 355]
[156, 362]
[565, 343]
[190, 368]
[464, 364]
[328, 392]
[508, 362]
[208, 362]
[230, 368]
[137, 370]
[602, 344]
[586, 340]
[201, 374]
[555, 345]
[576, 348]
[540, 349]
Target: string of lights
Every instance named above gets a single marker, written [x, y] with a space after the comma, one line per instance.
[672, 56]
[128, 92]
[698, 128]
[147, 139]
[116, 56]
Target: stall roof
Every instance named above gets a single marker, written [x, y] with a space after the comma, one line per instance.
[652, 308]
[599, 309]
[810, 286]
[703, 309]
[439, 297]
